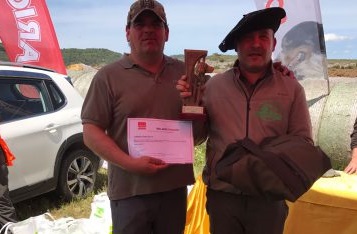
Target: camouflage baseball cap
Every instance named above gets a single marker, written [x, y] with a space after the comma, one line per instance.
[142, 5]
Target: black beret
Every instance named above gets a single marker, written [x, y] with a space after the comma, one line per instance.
[265, 18]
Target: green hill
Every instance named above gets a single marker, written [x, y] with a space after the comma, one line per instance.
[96, 58]
[92, 57]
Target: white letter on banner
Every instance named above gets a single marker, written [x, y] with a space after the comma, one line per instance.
[30, 54]
[19, 4]
[29, 12]
[30, 31]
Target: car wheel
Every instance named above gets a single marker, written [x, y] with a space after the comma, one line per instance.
[78, 174]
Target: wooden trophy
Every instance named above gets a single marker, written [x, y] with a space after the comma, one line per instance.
[196, 69]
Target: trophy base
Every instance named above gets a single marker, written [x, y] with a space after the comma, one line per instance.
[192, 113]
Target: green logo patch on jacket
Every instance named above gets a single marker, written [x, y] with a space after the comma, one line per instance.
[269, 112]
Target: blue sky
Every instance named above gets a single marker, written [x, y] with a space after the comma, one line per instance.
[199, 24]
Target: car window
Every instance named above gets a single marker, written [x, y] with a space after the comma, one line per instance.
[57, 98]
[20, 98]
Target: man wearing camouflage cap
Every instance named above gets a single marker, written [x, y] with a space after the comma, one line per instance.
[147, 195]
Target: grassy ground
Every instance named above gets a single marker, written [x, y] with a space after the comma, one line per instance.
[80, 208]
[199, 159]
[51, 203]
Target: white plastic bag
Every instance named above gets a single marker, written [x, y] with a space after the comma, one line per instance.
[31, 225]
[41, 224]
[100, 222]
[101, 216]
[59, 226]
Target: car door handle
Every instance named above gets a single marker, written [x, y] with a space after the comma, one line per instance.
[52, 128]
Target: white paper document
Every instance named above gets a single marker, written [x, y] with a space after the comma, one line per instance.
[168, 140]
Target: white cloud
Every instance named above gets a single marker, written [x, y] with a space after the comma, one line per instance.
[335, 37]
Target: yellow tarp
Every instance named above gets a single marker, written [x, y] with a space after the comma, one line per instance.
[329, 207]
[197, 219]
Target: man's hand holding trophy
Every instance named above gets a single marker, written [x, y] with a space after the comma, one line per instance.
[193, 87]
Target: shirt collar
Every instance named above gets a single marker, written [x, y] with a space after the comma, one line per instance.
[269, 72]
[127, 63]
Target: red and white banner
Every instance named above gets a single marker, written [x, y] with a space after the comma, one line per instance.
[301, 47]
[300, 38]
[28, 36]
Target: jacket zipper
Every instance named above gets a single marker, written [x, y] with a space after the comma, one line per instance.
[247, 97]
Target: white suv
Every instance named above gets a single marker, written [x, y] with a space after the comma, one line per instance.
[40, 121]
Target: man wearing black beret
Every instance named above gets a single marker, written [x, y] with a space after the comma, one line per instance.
[251, 100]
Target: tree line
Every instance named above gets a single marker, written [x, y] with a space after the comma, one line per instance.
[92, 56]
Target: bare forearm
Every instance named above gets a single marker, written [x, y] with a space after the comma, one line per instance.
[99, 142]
[104, 146]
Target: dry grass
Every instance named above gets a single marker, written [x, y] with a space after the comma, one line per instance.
[338, 72]
[336, 67]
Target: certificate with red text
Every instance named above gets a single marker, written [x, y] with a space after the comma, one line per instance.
[168, 140]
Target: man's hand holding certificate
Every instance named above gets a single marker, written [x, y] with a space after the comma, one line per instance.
[168, 140]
